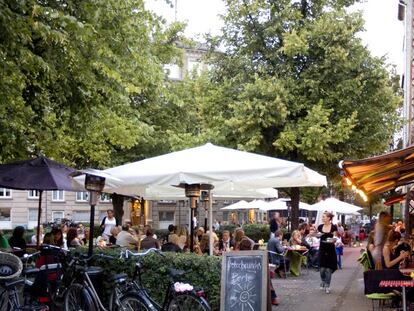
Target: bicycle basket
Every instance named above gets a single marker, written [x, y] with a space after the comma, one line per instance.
[10, 266]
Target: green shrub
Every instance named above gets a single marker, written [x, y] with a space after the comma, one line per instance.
[257, 231]
[202, 272]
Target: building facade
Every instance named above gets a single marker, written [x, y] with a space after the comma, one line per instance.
[20, 207]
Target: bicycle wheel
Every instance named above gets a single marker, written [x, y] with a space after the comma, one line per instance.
[77, 298]
[133, 302]
[187, 302]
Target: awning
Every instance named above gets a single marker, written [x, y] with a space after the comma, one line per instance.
[381, 173]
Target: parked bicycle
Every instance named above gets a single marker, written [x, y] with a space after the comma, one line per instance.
[82, 294]
[10, 287]
[178, 296]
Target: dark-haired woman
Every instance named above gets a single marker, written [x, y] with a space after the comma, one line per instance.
[17, 238]
[327, 253]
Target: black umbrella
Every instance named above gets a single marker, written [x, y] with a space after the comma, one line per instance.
[39, 174]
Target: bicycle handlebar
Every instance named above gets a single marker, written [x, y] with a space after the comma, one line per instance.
[26, 257]
[127, 252]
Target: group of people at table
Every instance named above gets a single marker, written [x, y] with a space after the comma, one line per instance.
[320, 247]
[389, 249]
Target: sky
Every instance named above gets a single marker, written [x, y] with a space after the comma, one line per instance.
[384, 32]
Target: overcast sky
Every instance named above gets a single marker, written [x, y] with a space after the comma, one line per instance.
[384, 33]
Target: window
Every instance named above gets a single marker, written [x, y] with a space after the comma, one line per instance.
[194, 64]
[33, 194]
[5, 214]
[33, 214]
[82, 196]
[58, 215]
[5, 193]
[81, 216]
[166, 216]
[105, 198]
[172, 71]
[58, 195]
[5, 218]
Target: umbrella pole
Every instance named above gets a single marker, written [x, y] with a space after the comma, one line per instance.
[39, 214]
[192, 231]
[210, 208]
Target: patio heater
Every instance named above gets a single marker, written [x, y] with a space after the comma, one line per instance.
[193, 192]
[94, 184]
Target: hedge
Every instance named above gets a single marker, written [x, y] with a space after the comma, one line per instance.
[201, 271]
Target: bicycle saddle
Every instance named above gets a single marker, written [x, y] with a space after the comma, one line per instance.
[174, 272]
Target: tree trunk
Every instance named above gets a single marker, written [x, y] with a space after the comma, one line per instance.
[294, 212]
[118, 205]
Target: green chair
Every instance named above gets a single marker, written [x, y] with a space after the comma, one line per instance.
[380, 300]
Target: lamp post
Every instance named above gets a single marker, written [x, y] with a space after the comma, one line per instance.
[94, 184]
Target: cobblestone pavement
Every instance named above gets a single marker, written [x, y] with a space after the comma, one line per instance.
[303, 292]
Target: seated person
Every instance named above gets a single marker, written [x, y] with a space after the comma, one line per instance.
[274, 246]
[125, 238]
[225, 244]
[17, 238]
[390, 259]
[313, 242]
[297, 240]
[72, 238]
[149, 241]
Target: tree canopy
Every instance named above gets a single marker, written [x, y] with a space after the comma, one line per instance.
[294, 80]
[75, 74]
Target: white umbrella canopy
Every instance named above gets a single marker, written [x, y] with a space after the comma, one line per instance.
[221, 192]
[335, 205]
[213, 165]
[241, 205]
[257, 204]
[280, 204]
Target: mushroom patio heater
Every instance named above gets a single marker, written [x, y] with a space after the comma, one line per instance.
[94, 184]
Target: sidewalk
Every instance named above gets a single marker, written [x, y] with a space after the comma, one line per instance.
[347, 289]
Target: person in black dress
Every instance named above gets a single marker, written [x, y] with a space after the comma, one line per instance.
[327, 253]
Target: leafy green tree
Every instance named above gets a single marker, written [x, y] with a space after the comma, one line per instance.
[75, 75]
[293, 80]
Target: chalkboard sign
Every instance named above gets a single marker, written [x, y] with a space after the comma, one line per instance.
[244, 281]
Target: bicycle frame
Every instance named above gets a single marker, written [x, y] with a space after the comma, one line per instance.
[170, 292]
[12, 301]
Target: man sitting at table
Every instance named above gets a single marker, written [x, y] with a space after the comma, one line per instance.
[276, 250]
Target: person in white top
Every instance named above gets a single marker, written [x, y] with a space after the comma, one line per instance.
[125, 238]
[34, 237]
[108, 222]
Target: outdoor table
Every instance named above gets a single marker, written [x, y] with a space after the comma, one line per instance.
[399, 283]
[295, 258]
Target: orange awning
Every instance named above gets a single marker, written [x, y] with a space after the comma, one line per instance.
[381, 173]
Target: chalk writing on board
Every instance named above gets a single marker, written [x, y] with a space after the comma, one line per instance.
[244, 277]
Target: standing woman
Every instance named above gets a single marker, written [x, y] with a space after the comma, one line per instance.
[108, 222]
[327, 253]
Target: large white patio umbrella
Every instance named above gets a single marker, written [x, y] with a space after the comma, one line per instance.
[337, 206]
[215, 166]
[212, 165]
[241, 205]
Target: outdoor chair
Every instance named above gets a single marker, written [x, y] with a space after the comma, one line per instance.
[279, 260]
[381, 297]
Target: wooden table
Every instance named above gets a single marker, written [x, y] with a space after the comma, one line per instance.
[398, 283]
